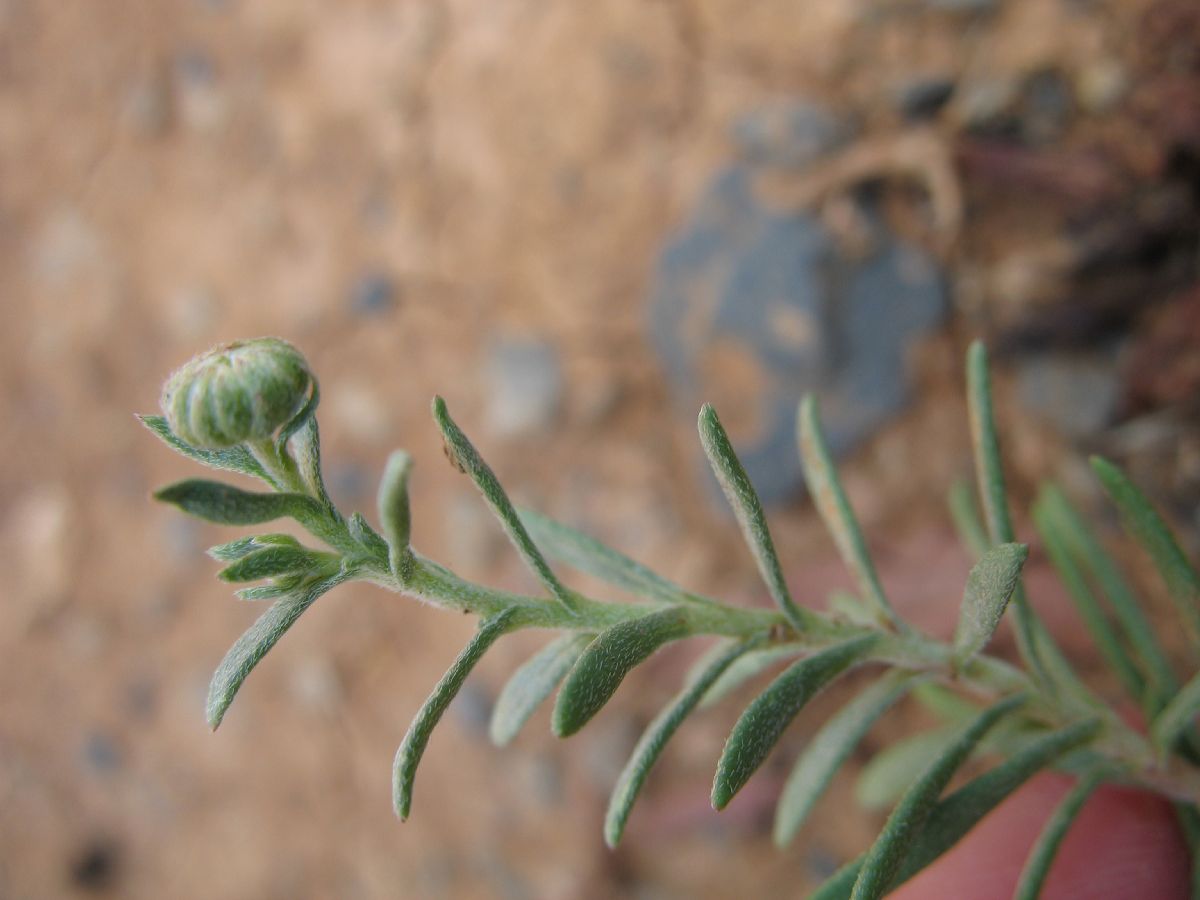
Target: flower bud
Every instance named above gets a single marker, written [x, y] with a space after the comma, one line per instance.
[237, 393]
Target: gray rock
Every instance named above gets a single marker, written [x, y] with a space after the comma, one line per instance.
[983, 103]
[373, 293]
[524, 384]
[1047, 107]
[1076, 392]
[770, 295]
[923, 97]
[787, 134]
[101, 754]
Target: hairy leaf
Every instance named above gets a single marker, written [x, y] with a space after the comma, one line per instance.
[605, 663]
[851, 608]
[830, 498]
[227, 505]
[966, 520]
[463, 455]
[277, 587]
[896, 766]
[1041, 857]
[532, 683]
[1085, 546]
[252, 646]
[764, 721]
[1176, 716]
[890, 849]
[394, 512]
[1089, 607]
[655, 738]
[742, 497]
[830, 748]
[991, 582]
[231, 459]
[235, 550]
[745, 668]
[588, 555]
[412, 748]
[1145, 524]
[953, 817]
[274, 561]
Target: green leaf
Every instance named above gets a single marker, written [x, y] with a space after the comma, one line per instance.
[830, 498]
[745, 668]
[463, 455]
[655, 738]
[895, 767]
[394, 512]
[831, 746]
[412, 748]
[588, 555]
[1175, 718]
[227, 505]
[953, 817]
[252, 646]
[532, 683]
[232, 459]
[235, 550]
[305, 437]
[882, 862]
[1086, 547]
[966, 518]
[277, 587]
[1089, 607]
[764, 721]
[991, 582]
[605, 663]
[851, 608]
[274, 561]
[944, 703]
[1041, 858]
[740, 493]
[1144, 523]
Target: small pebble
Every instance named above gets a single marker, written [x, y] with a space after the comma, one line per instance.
[373, 293]
[524, 385]
[924, 97]
[1101, 85]
[1047, 107]
[101, 754]
[787, 134]
[1077, 393]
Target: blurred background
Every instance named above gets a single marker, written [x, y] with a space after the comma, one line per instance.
[576, 222]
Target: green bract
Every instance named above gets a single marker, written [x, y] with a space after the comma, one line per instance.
[237, 393]
[247, 407]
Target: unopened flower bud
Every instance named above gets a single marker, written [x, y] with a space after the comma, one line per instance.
[237, 393]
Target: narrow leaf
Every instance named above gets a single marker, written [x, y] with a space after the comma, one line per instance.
[605, 663]
[1089, 607]
[896, 766]
[274, 561]
[1084, 544]
[655, 738]
[742, 497]
[395, 514]
[1037, 648]
[305, 437]
[587, 554]
[830, 498]
[1144, 523]
[745, 668]
[953, 817]
[850, 608]
[991, 582]
[235, 550]
[966, 520]
[463, 455]
[1176, 716]
[227, 505]
[888, 853]
[232, 459]
[533, 683]
[274, 589]
[831, 746]
[764, 721]
[252, 646]
[412, 748]
[1041, 857]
